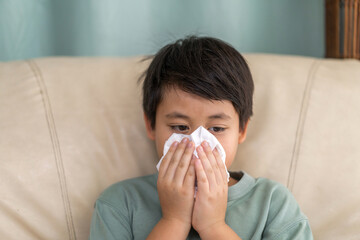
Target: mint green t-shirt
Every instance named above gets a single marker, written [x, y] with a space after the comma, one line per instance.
[256, 209]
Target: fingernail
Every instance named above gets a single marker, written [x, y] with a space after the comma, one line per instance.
[205, 144]
[190, 144]
[200, 149]
[185, 140]
[175, 143]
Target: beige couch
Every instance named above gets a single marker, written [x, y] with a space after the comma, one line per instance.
[70, 127]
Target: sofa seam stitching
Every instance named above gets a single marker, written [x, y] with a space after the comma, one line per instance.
[56, 148]
[301, 124]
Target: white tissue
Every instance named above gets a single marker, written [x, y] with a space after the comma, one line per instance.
[198, 136]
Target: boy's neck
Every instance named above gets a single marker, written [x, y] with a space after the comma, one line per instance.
[232, 181]
[235, 177]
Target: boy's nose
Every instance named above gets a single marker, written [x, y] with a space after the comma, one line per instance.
[195, 127]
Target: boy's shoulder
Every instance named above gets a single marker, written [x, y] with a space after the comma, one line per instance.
[130, 189]
[274, 207]
[266, 192]
[277, 194]
[260, 185]
[272, 187]
[284, 211]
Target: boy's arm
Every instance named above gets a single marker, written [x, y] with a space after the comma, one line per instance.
[220, 232]
[165, 229]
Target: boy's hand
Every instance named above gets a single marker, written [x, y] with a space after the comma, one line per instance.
[176, 185]
[212, 191]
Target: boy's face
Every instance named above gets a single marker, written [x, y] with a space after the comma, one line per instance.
[181, 112]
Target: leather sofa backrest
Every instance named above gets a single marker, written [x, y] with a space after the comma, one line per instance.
[70, 127]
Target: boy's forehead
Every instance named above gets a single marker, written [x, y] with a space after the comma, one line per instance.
[177, 103]
[176, 92]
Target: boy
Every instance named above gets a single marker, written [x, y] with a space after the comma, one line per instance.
[191, 83]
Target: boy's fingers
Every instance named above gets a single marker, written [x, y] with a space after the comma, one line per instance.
[167, 158]
[174, 161]
[221, 166]
[184, 162]
[189, 180]
[207, 166]
[202, 181]
[213, 162]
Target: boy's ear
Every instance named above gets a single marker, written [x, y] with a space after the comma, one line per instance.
[242, 134]
[149, 130]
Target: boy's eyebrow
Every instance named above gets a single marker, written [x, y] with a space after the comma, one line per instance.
[220, 116]
[176, 115]
[180, 115]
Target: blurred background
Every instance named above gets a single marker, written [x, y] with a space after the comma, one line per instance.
[40, 28]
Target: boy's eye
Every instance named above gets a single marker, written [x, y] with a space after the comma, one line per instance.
[216, 129]
[180, 128]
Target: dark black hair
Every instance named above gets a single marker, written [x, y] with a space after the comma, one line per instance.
[204, 66]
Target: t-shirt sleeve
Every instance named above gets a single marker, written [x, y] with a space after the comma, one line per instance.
[109, 223]
[299, 230]
[285, 219]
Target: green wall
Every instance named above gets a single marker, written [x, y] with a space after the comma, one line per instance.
[37, 28]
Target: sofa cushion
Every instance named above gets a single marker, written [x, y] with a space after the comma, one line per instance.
[70, 127]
